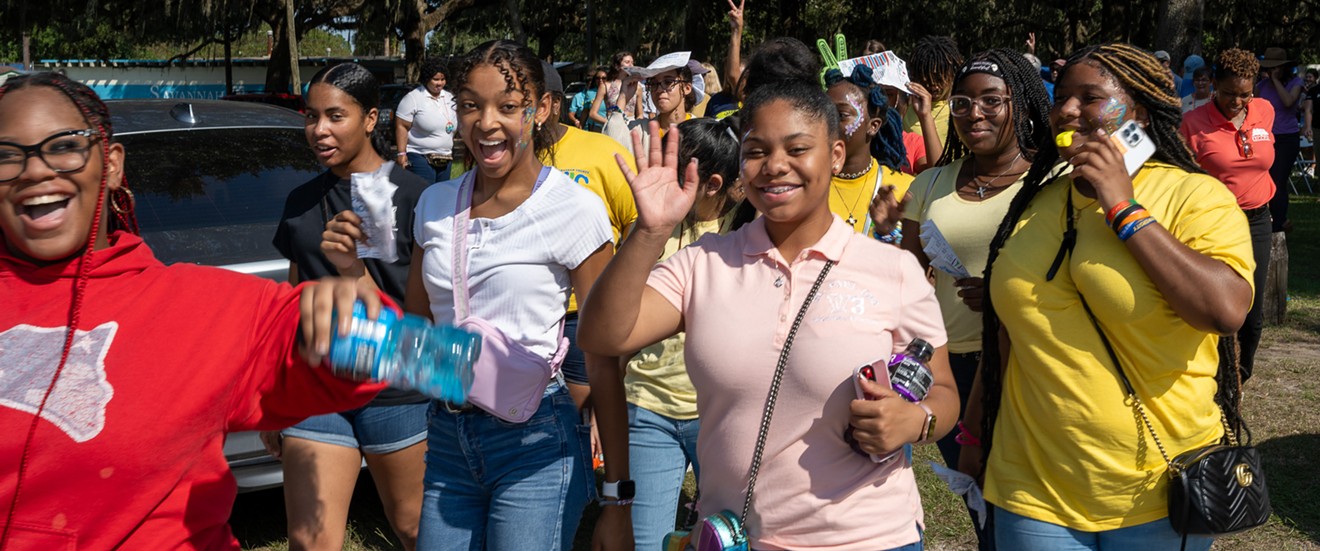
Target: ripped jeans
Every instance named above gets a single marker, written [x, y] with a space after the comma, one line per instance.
[491, 484]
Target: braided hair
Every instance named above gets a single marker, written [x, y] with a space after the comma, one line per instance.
[933, 63]
[522, 72]
[97, 116]
[1031, 105]
[887, 145]
[1149, 84]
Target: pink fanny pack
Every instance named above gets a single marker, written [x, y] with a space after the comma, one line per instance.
[508, 379]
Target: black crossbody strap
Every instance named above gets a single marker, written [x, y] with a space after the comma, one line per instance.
[774, 393]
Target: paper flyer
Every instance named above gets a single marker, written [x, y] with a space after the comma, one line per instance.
[372, 195]
[940, 253]
[886, 68]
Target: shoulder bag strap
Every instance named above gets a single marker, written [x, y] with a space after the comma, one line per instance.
[774, 393]
[1065, 248]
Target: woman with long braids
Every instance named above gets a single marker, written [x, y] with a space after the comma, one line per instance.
[1233, 140]
[1000, 113]
[874, 151]
[122, 375]
[1163, 259]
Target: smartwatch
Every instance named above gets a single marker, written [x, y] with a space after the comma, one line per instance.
[928, 426]
[621, 490]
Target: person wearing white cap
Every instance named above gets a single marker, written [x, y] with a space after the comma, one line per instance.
[674, 83]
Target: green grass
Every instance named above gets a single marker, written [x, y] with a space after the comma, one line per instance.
[1281, 406]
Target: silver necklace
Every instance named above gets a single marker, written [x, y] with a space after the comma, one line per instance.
[981, 189]
[856, 175]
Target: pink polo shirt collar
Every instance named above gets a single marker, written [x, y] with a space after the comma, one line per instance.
[830, 246]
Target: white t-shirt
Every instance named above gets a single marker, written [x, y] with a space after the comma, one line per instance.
[519, 263]
[1190, 102]
[433, 121]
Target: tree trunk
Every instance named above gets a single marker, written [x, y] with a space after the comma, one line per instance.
[1179, 23]
[515, 21]
[1276, 281]
[414, 26]
[291, 35]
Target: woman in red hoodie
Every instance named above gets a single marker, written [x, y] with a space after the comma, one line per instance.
[119, 376]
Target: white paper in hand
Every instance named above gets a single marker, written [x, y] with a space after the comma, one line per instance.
[373, 202]
[964, 486]
[940, 253]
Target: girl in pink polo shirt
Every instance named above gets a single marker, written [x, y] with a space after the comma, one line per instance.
[736, 296]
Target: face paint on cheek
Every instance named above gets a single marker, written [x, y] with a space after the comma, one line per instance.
[858, 118]
[1112, 115]
[525, 135]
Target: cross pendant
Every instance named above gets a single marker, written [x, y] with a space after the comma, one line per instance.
[852, 221]
[980, 192]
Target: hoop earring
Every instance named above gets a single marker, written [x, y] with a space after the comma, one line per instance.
[121, 209]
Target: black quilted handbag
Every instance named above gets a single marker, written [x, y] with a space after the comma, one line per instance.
[1213, 490]
[1217, 490]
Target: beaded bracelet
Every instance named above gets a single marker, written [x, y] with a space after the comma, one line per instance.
[965, 438]
[894, 236]
[1134, 227]
[1122, 205]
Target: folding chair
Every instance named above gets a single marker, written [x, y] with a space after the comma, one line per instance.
[1302, 168]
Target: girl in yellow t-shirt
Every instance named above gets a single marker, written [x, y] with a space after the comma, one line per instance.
[1000, 111]
[1067, 466]
[873, 139]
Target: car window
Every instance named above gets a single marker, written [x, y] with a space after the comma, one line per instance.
[214, 197]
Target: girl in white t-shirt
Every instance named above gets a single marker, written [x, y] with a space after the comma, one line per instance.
[532, 236]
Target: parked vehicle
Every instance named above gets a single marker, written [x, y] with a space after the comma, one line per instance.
[210, 178]
[289, 101]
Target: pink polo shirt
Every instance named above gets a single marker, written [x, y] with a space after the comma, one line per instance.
[813, 491]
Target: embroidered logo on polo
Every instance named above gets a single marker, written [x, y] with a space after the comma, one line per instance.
[846, 301]
[1260, 135]
[29, 356]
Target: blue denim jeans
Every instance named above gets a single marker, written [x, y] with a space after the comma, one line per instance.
[1020, 533]
[417, 165]
[660, 449]
[491, 484]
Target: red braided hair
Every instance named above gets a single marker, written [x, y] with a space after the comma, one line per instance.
[96, 114]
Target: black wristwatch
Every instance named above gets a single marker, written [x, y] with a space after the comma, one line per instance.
[623, 489]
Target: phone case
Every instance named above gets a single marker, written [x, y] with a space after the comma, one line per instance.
[1135, 144]
[872, 371]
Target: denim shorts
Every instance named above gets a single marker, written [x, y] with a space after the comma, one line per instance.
[372, 429]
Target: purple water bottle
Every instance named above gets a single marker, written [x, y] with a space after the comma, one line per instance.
[909, 372]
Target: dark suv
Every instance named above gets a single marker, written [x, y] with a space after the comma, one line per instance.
[210, 178]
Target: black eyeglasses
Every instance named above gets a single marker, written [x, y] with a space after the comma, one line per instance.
[663, 85]
[64, 152]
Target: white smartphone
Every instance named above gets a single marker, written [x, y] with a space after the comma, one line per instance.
[1135, 144]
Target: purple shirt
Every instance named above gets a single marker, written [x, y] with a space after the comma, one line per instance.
[1285, 118]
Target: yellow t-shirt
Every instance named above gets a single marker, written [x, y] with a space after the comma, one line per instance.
[1067, 449]
[657, 376]
[968, 226]
[852, 198]
[938, 111]
[588, 159]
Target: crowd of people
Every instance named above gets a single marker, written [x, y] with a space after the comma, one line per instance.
[702, 264]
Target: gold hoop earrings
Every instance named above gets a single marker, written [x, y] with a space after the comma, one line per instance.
[119, 208]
